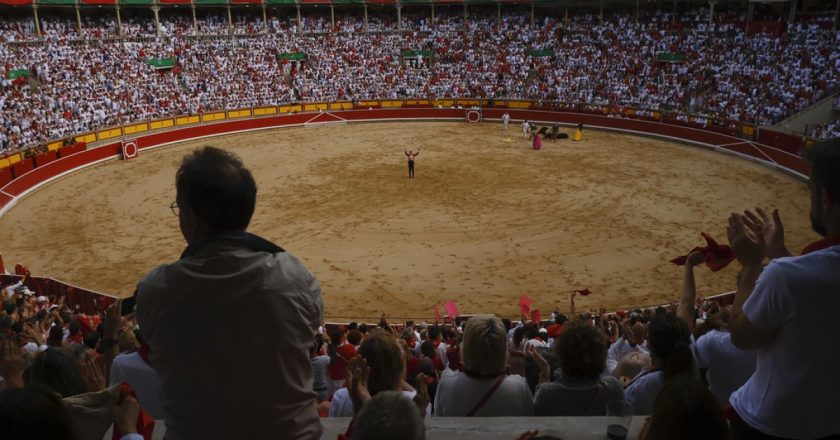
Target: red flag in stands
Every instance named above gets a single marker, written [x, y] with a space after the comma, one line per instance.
[525, 304]
[451, 309]
[583, 292]
[437, 314]
[145, 422]
[718, 256]
[535, 316]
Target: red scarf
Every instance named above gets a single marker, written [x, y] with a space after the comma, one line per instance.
[145, 423]
[821, 244]
[143, 351]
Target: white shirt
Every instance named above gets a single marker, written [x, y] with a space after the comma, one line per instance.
[795, 392]
[457, 394]
[342, 405]
[728, 366]
[643, 390]
[133, 370]
[619, 349]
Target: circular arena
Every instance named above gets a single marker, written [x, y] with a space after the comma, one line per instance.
[487, 219]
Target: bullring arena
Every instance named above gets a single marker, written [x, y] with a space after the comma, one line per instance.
[486, 220]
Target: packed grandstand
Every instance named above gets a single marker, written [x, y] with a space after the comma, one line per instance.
[68, 80]
[73, 365]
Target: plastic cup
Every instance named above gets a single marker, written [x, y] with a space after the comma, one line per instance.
[619, 416]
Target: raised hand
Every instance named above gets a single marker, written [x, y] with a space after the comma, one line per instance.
[695, 258]
[542, 364]
[358, 374]
[746, 240]
[126, 414]
[772, 230]
[112, 322]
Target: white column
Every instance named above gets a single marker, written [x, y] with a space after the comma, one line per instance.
[230, 20]
[156, 11]
[119, 20]
[712, 4]
[265, 19]
[38, 22]
[78, 19]
[332, 16]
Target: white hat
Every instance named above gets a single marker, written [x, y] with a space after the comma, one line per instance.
[41, 299]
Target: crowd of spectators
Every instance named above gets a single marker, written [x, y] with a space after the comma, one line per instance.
[84, 81]
[759, 368]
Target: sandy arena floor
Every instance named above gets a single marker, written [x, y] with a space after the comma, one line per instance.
[484, 221]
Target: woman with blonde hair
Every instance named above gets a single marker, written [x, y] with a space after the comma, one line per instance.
[483, 389]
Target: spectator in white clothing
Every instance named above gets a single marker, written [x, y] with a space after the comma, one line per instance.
[727, 367]
[781, 310]
[670, 351]
[483, 389]
[632, 340]
[134, 369]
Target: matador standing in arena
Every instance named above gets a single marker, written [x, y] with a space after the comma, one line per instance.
[411, 155]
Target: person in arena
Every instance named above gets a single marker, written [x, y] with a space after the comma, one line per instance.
[411, 155]
[215, 384]
[483, 389]
[781, 311]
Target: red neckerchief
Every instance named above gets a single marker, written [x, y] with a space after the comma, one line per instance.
[143, 351]
[821, 244]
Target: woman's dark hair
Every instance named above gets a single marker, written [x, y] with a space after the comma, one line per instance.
[335, 342]
[56, 336]
[34, 412]
[216, 186]
[582, 351]
[669, 341]
[428, 349]
[518, 335]
[354, 337]
[686, 409]
[58, 370]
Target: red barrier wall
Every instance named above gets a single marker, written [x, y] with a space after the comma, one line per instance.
[23, 167]
[5, 176]
[45, 158]
[783, 141]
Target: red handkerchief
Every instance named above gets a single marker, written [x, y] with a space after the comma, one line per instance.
[525, 304]
[583, 292]
[451, 309]
[718, 256]
[145, 422]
